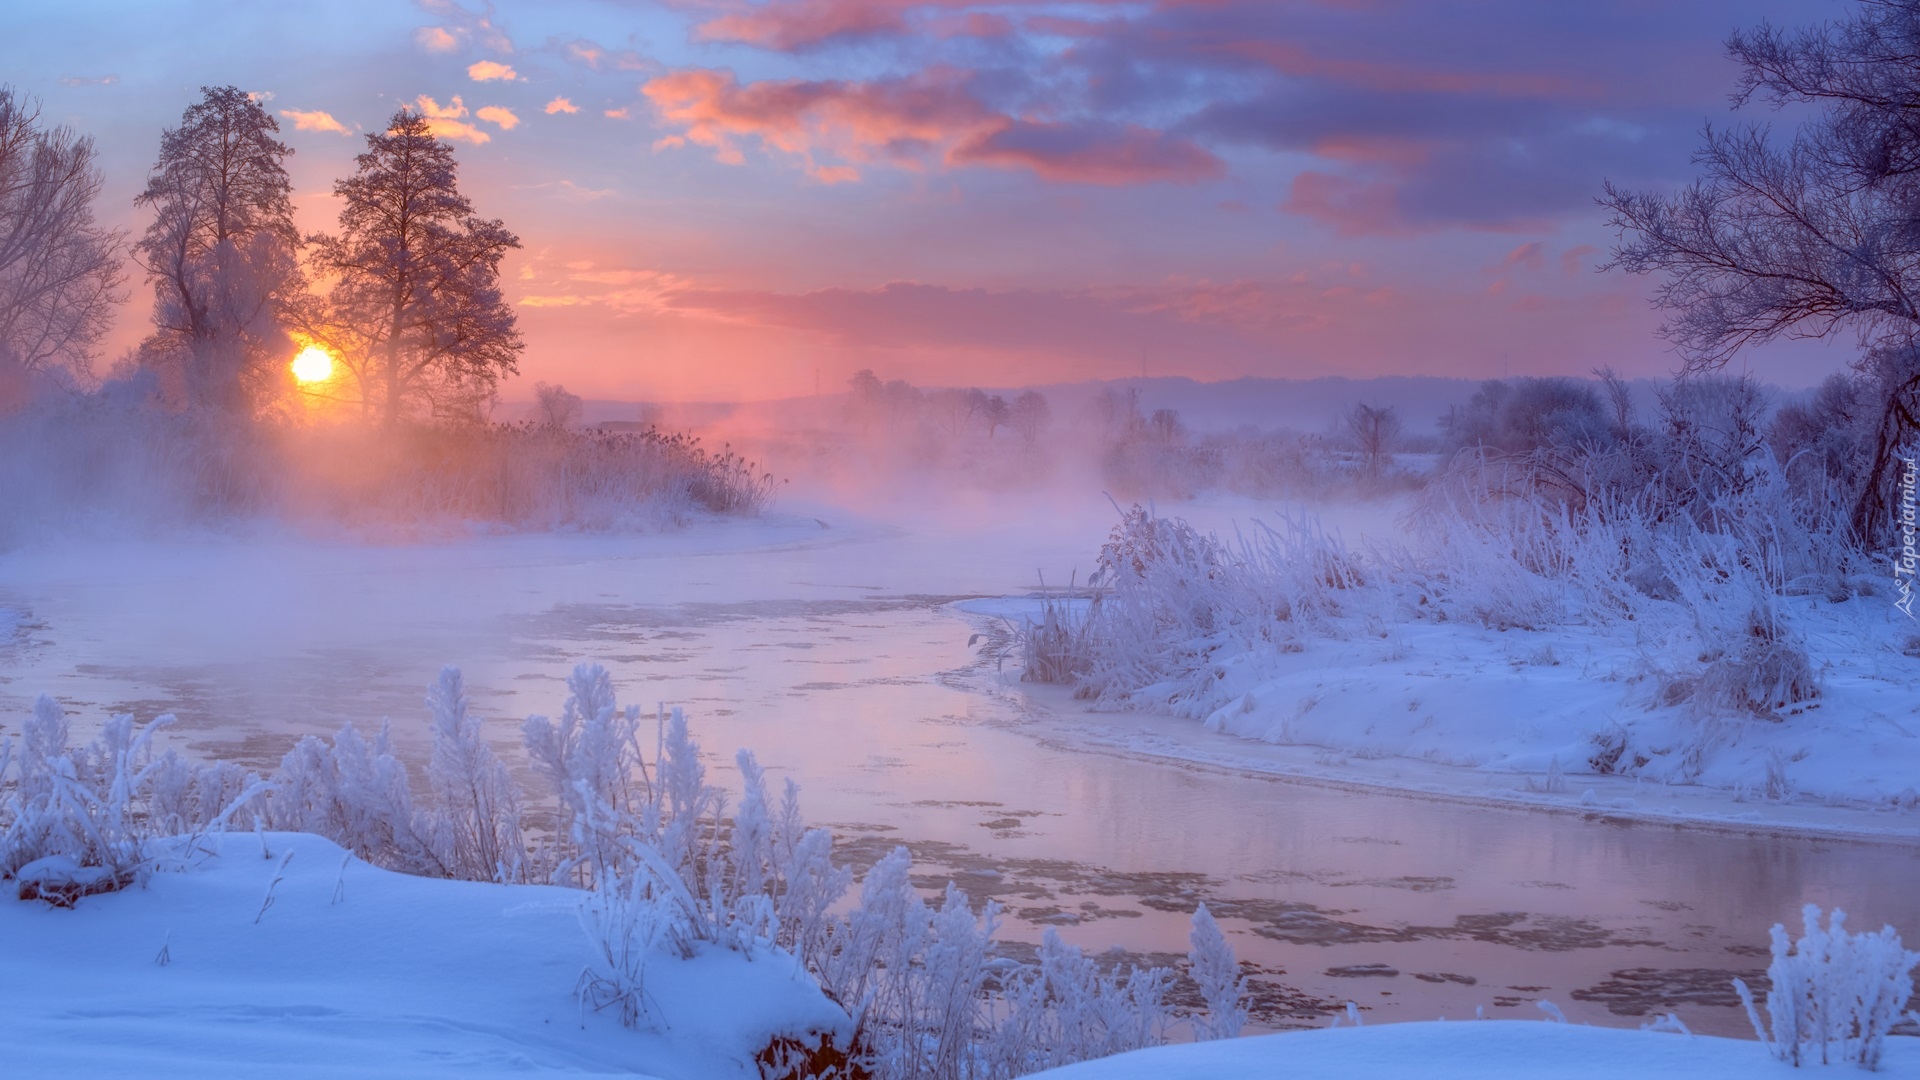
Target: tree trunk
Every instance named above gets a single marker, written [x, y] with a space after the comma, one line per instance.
[1899, 425]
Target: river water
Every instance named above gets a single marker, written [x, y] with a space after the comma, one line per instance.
[836, 653]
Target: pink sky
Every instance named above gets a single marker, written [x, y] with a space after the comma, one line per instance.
[724, 199]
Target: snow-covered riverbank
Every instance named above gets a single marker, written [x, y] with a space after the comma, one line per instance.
[1464, 720]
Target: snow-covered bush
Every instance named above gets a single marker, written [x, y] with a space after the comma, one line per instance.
[76, 821]
[475, 822]
[594, 769]
[1065, 1009]
[931, 1000]
[356, 794]
[1056, 648]
[626, 922]
[1216, 971]
[1834, 995]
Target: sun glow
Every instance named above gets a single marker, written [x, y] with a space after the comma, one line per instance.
[314, 364]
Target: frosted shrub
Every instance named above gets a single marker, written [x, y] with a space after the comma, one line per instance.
[78, 820]
[354, 793]
[1216, 971]
[1065, 1009]
[626, 923]
[475, 823]
[1058, 647]
[932, 1001]
[1177, 602]
[592, 763]
[1834, 995]
[806, 883]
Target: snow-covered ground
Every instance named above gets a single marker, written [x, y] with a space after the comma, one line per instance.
[1469, 1050]
[357, 971]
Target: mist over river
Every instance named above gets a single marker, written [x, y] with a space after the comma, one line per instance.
[836, 648]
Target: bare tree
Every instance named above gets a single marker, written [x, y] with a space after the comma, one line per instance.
[222, 252]
[1030, 415]
[1808, 238]
[558, 408]
[418, 289]
[58, 269]
[1374, 429]
[1165, 425]
[955, 408]
[1619, 401]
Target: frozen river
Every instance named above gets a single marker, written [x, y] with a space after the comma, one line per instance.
[833, 649]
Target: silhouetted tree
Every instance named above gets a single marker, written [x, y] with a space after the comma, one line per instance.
[1030, 415]
[1165, 424]
[418, 272]
[996, 413]
[557, 406]
[954, 408]
[222, 252]
[1811, 237]
[58, 271]
[1374, 429]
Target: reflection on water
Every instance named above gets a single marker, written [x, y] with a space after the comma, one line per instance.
[900, 735]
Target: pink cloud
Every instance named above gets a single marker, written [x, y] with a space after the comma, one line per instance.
[1353, 207]
[807, 22]
[1528, 256]
[561, 105]
[1574, 259]
[910, 121]
[436, 39]
[448, 121]
[314, 120]
[496, 114]
[490, 70]
[1091, 155]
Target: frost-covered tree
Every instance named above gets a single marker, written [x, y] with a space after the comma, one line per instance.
[1809, 237]
[417, 295]
[222, 251]
[58, 268]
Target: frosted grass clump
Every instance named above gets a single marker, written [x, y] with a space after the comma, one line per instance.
[1835, 995]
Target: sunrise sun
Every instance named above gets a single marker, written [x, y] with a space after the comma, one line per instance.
[314, 364]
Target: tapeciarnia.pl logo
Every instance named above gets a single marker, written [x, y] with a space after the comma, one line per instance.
[1904, 561]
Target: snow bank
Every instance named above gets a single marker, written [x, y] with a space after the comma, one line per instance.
[1561, 648]
[1471, 1050]
[359, 971]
